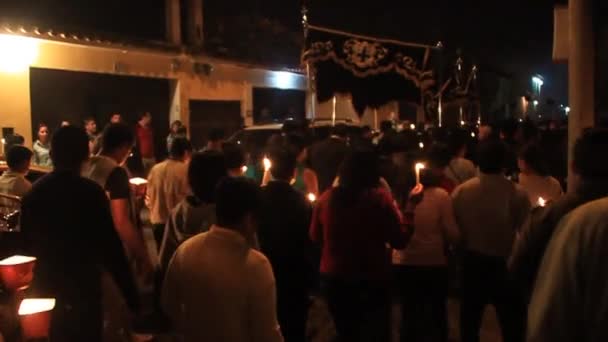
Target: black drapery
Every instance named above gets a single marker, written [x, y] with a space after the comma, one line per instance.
[373, 73]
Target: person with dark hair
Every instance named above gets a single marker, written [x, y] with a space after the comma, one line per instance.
[42, 147]
[534, 177]
[107, 170]
[90, 126]
[508, 131]
[217, 288]
[235, 159]
[327, 156]
[305, 180]
[215, 141]
[421, 269]
[115, 118]
[70, 259]
[490, 210]
[590, 164]
[145, 141]
[460, 169]
[177, 129]
[354, 223]
[439, 158]
[196, 213]
[167, 186]
[283, 237]
[13, 181]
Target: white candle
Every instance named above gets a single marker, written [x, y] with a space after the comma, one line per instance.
[418, 167]
[138, 181]
[32, 306]
[267, 164]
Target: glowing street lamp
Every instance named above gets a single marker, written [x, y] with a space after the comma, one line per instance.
[538, 83]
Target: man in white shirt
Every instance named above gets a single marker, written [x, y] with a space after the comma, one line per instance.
[168, 185]
[490, 210]
[570, 299]
[217, 288]
[12, 181]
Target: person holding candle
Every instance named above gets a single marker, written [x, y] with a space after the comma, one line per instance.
[354, 223]
[327, 156]
[490, 210]
[235, 159]
[70, 260]
[305, 179]
[460, 169]
[590, 165]
[534, 176]
[283, 236]
[421, 269]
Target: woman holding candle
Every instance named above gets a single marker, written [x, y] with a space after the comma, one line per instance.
[305, 179]
[421, 269]
[354, 222]
[534, 177]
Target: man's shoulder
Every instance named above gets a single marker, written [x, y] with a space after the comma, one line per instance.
[470, 184]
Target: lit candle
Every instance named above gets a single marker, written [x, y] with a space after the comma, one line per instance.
[541, 202]
[267, 164]
[137, 181]
[412, 127]
[35, 317]
[311, 197]
[472, 134]
[461, 122]
[244, 169]
[17, 271]
[418, 167]
[421, 145]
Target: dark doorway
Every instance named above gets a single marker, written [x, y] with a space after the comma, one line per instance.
[276, 105]
[58, 95]
[208, 115]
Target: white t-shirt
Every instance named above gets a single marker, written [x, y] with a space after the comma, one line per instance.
[537, 186]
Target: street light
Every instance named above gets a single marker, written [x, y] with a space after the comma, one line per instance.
[538, 83]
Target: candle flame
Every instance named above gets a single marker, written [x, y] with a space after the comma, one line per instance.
[421, 145]
[419, 166]
[541, 202]
[267, 164]
[472, 134]
[244, 169]
[311, 197]
[461, 122]
[138, 181]
[412, 127]
[36, 305]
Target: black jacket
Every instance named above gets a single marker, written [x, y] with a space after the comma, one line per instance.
[283, 235]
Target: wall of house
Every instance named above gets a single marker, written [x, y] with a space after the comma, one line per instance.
[222, 81]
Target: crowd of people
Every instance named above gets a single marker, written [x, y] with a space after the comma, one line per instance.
[350, 218]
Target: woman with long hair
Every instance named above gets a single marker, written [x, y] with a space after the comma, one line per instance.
[42, 147]
[355, 223]
[421, 269]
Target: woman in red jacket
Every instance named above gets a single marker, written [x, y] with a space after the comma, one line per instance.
[356, 223]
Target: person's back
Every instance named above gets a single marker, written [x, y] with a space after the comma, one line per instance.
[167, 187]
[570, 298]
[490, 209]
[67, 225]
[537, 186]
[225, 278]
[13, 181]
[217, 288]
[326, 158]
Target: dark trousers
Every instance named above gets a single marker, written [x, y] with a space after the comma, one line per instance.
[486, 281]
[424, 294]
[360, 310]
[76, 322]
[292, 311]
[159, 232]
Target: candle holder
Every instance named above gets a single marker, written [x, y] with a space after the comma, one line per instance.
[35, 318]
[17, 272]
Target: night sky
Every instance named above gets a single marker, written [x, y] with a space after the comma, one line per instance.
[511, 36]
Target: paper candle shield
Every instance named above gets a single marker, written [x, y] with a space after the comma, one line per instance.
[35, 317]
[17, 272]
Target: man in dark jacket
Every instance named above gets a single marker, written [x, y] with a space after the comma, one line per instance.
[67, 226]
[591, 165]
[283, 236]
[327, 156]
